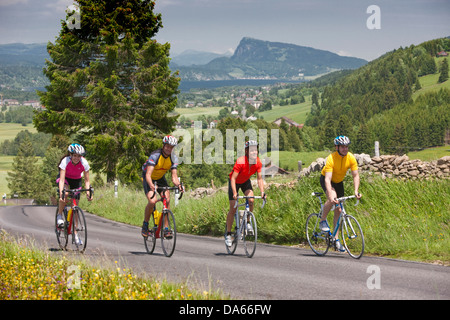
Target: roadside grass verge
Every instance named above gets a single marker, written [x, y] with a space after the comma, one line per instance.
[400, 219]
[28, 273]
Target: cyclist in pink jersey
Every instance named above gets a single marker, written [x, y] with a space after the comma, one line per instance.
[71, 170]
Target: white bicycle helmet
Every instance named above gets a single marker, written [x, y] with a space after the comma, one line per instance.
[170, 140]
[251, 143]
[76, 148]
[341, 141]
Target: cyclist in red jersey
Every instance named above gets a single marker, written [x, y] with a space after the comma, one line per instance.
[243, 169]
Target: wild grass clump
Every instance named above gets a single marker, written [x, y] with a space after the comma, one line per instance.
[30, 274]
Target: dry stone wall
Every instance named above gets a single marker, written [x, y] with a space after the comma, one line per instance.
[394, 166]
[386, 165]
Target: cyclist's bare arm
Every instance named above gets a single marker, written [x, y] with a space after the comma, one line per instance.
[148, 177]
[331, 194]
[62, 179]
[260, 182]
[87, 184]
[233, 184]
[355, 175]
[175, 179]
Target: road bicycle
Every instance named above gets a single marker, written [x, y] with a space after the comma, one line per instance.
[74, 226]
[350, 231]
[164, 226]
[245, 228]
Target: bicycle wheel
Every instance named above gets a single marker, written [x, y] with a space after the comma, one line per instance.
[61, 232]
[352, 236]
[234, 239]
[250, 233]
[317, 239]
[168, 233]
[79, 230]
[150, 240]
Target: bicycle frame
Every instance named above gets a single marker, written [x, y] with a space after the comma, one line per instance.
[74, 221]
[247, 209]
[341, 216]
[167, 220]
[320, 241]
[160, 223]
[74, 203]
[163, 199]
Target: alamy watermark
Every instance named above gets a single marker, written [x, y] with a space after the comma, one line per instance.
[74, 19]
[219, 147]
[374, 280]
[374, 21]
[74, 280]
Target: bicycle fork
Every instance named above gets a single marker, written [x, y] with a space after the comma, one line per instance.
[346, 223]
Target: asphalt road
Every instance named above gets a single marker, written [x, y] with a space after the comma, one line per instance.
[275, 272]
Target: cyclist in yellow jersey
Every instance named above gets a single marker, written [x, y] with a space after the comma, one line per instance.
[153, 171]
[331, 180]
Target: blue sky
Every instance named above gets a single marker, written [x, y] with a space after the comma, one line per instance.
[218, 25]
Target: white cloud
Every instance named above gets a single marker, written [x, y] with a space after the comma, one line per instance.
[344, 53]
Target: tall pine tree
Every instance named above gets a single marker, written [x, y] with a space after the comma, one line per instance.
[110, 84]
[443, 76]
[21, 179]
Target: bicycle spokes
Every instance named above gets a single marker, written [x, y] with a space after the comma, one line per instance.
[168, 233]
[78, 230]
[318, 240]
[61, 230]
[352, 237]
[249, 234]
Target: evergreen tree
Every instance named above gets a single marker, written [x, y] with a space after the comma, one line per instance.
[294, 139]
[315, 97]
[344, 126]
[443, 76]
[363, 143]
[111, 85]
[399, 140]
[22, 178]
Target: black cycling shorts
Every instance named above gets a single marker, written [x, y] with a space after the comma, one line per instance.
[247, 185]
[72, 183]
[339, 187]
[159, 183]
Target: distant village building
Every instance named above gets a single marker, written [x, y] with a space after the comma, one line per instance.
[273, 170]
[288, 121]
[35, 104]
[442, 54]
[213, 124]
[11, 102]
[253, 102]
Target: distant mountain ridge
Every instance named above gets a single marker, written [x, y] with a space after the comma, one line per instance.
[193, 57]
[252, 59]
[21, 54]
[258, 59]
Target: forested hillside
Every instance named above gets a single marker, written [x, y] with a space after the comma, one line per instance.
[21, 68]
[375, 102]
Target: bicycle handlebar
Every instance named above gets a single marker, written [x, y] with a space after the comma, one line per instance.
[341, 199]
[251, 197]
[74, 191]
[168, 188]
